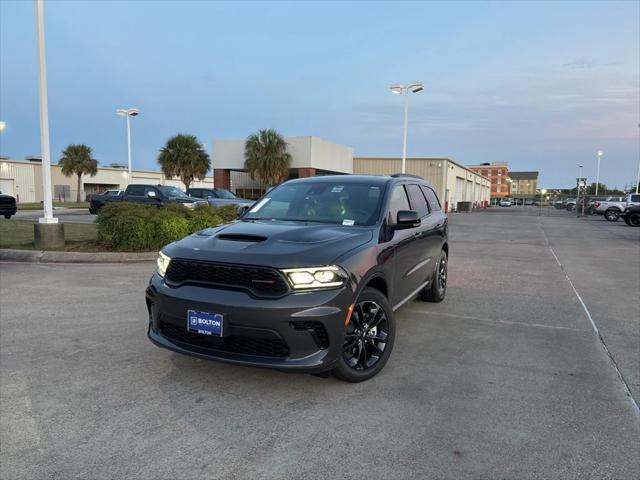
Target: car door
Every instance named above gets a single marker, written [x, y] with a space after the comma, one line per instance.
[427, 244]
[135, 193]
[404, 246]
[152, 200]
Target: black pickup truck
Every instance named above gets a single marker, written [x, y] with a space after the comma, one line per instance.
[149, 194]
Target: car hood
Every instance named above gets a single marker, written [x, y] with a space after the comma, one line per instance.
[279, 245]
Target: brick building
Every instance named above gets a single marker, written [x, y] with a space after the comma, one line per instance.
[498, 174]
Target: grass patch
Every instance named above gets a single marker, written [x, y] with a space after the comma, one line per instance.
[40, 206]
[19, 234]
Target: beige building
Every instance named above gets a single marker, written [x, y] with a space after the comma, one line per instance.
[23, 180]
[310, 156]
[452, 182]
[523, 184]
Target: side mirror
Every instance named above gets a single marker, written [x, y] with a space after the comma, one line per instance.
[243, 209]
[151, 194]
[406, 219]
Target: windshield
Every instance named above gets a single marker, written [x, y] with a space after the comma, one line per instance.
[322, 202]
[221, 193]
[172, 192]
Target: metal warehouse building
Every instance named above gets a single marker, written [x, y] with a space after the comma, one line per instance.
[453, 182]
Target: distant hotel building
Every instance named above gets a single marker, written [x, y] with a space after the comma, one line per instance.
[523, 184]
[498, 173]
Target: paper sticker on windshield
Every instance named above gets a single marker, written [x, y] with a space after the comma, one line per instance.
[337, 189]
[348, 222]
[259, 205]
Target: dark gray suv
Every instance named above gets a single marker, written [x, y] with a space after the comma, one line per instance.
[308, 279]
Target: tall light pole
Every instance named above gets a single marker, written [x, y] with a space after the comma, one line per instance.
[44, 118]
[542, 193]
[600, 153]
[415, 87]
[638, 176]
[128, 112]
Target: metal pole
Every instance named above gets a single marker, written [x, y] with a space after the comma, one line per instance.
[638, 176]
[44, 118]
[578, 189]
[598, 174]
[404, 139]
[540, 211]
[129, 145]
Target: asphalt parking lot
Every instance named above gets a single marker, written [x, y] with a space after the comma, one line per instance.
[507, 378]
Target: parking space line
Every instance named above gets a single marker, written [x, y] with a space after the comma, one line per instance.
[488, 320]
[593, 325]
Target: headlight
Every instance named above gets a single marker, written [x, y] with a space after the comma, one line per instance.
[315, 277]
[189, 204]
[163, 263]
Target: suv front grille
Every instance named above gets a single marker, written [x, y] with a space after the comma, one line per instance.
[261, 281]
[263, 347]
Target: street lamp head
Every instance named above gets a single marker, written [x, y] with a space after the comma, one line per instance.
[416, 87]
[128, 112]
[2, 125]
[397, 89]
[543, 191]
[600, 153]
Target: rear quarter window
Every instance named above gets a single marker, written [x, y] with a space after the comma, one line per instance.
[434, 203]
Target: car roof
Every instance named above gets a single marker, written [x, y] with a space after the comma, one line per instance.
[369, 179]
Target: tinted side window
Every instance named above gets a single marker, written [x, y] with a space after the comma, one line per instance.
[136, 190]
[418, 202]
[434, 203]
[635, 198]
[197, 192]
[398, 201]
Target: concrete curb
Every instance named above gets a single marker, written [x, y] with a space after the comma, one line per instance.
[38, 256]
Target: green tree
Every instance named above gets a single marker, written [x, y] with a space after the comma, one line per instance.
[76, 160]
[266, 157]
[184, 156]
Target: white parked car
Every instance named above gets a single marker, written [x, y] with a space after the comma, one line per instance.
[505, 202]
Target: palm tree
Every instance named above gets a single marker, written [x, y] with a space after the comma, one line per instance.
[266, 157]
[76, 159]
[184, 156]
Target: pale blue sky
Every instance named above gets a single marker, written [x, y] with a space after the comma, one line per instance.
[542, 85]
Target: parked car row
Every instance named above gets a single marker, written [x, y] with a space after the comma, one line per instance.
[613, 207]
[161, 195]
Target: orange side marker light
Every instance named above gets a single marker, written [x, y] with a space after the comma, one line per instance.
[349, 312]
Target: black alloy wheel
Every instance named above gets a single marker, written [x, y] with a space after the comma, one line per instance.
[368, 339]
[634, 220]
[436, 290]
[612, 215]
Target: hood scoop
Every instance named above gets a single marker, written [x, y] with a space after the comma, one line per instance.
[241, 237]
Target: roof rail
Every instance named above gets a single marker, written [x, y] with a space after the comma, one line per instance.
[396, 175]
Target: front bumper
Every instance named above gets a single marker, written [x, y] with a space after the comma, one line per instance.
[8, 209]
[298, 332]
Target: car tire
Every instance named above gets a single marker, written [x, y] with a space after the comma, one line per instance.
[359, 338]
[437, 288]
[634, 220]
[612, 215]
[7, 216]
[570, 207]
